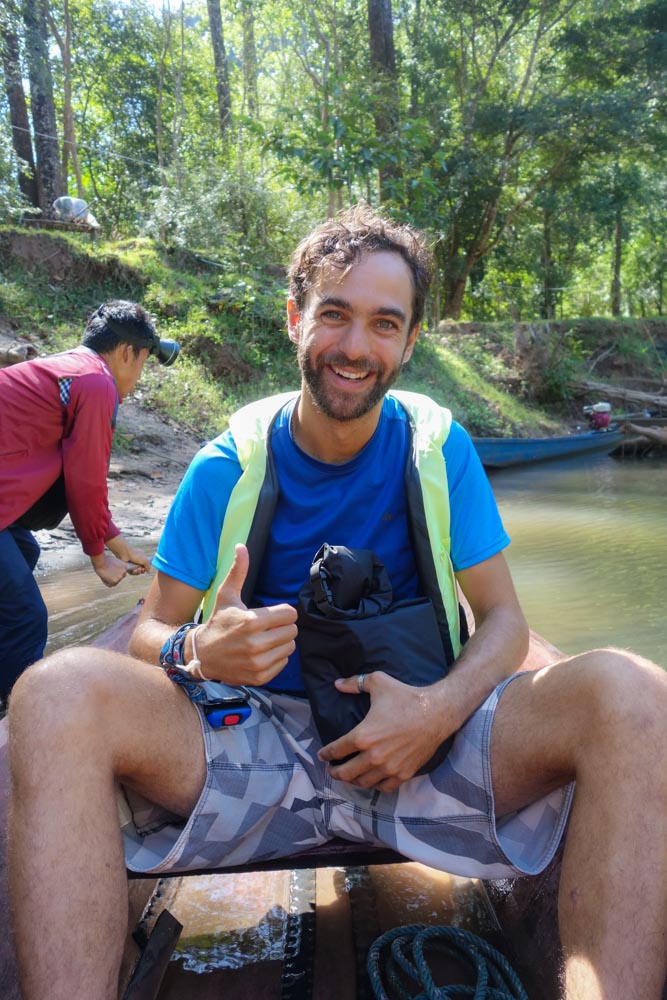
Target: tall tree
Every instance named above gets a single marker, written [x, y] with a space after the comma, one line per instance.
[64, 42]
[250, 96]
[385, 86]
[18, 108]
[49, 178]
[220, 62]
[178, 96]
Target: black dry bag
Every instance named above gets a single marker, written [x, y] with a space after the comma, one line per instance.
[348, 624]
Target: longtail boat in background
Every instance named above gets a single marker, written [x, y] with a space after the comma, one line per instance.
[499, 453]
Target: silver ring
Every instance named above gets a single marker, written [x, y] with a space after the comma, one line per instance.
[360, 683]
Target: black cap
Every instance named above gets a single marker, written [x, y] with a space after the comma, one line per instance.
[140, 335]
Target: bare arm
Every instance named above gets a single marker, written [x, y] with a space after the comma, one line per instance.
[499, 644]
[390, 745]
[237, 645]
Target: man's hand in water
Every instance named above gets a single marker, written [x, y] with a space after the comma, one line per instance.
[125, 560]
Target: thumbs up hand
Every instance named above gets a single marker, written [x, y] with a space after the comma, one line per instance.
[240, 645]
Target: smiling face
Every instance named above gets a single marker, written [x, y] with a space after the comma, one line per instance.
[353, 335]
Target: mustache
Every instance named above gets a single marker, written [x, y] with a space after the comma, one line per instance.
[342, 361]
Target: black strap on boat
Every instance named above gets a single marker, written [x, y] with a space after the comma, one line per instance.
[155, 957]
[299, 961]
[398, 957]
[365, 924]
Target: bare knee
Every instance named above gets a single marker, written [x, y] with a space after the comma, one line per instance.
[621, 693]
[56, 707]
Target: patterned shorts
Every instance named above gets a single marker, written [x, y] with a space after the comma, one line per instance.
[267, 796]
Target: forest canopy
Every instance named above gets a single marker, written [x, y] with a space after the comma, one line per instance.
[526, 136]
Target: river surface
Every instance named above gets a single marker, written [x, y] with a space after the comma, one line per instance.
[588, 556]
[589, 550]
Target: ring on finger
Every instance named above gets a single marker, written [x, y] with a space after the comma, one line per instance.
[360, 683]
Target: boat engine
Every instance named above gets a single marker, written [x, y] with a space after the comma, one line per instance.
[599, 416]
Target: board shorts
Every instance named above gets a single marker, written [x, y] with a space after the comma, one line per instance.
[268, 796]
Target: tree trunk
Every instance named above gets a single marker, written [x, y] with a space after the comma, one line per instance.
[616, 276]
[220, 62]
[178, 100]
[415, 44]
[250, 97]
[49, 179]
[548, 311]
[454, 288]
[69, 141]
[159, 108]
[455, 265]
[18, 112]
[383, 68]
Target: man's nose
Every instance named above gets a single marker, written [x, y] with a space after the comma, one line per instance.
[355, 342]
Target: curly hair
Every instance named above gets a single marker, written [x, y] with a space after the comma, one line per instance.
[340, 242]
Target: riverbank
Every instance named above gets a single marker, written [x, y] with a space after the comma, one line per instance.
[500, 377]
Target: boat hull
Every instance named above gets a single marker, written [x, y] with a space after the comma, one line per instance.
[499, 453]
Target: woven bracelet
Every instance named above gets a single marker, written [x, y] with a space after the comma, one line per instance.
[172, 652]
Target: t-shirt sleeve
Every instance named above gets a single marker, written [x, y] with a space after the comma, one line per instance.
[476, 529]
[188, 547]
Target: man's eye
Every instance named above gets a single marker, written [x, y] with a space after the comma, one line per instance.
[332, 314]
[387, 324]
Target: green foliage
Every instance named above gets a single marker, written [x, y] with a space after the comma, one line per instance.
[561, 363]
[522, 131]
[235, 347]
[469, 373]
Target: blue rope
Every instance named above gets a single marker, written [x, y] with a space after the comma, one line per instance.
[496, 979]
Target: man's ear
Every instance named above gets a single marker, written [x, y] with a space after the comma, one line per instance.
[293, 321]
[123, 351]
[412, 337]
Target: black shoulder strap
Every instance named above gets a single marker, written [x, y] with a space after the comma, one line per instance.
[261, 523]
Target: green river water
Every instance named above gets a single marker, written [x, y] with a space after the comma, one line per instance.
[588, 556]
[589, 550]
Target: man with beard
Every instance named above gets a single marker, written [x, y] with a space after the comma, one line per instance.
[335, 463]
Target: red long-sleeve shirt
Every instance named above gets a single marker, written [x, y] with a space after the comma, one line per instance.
[57, 415]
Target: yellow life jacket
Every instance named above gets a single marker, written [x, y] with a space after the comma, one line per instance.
[253, 499]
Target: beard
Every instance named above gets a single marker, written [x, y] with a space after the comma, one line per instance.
[338, 406]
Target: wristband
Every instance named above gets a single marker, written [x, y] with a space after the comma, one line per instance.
[172, 653]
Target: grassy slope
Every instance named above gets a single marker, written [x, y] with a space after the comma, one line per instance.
[231, 330]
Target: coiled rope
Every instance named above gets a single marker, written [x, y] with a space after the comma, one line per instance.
[496, 979]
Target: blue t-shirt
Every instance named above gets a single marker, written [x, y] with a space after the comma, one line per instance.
[360, 504]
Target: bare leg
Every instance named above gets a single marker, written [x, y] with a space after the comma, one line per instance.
[600, 718]
[79, 722]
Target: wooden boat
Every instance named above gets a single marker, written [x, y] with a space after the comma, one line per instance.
[356, 895]
[498, 453]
